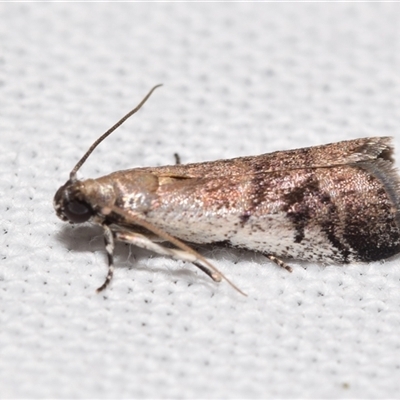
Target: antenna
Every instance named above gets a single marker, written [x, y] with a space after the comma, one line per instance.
[72, 175]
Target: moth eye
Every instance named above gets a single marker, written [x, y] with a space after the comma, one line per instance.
[77, 211]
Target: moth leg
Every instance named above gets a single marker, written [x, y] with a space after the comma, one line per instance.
[279, 262]
[144, 242]
[207, 271]
[110, 245]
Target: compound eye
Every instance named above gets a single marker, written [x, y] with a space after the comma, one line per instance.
[78, 212]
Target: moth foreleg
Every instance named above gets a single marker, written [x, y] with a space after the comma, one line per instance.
[144, 242]
[109, 244]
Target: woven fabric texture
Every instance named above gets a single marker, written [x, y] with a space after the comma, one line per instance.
[239, 79]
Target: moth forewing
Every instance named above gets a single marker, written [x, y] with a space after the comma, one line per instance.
[334, 203]
[340, 213]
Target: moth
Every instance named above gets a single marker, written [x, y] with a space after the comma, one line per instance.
[335, 203]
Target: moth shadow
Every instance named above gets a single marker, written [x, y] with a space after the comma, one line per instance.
[76, 238]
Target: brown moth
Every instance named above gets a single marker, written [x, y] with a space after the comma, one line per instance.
[335, 203]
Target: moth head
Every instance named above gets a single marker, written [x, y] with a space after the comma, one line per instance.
[69, 200]
[70, 205]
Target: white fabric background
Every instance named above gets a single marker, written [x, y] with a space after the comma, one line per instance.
[239, 79]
